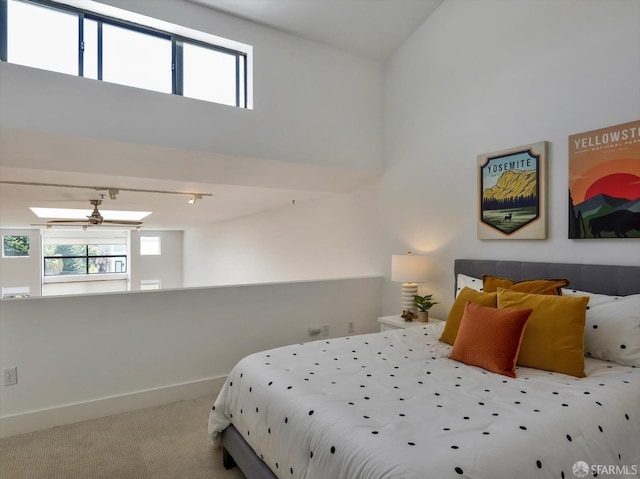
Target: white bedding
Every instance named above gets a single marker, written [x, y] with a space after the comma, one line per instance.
[391, 405]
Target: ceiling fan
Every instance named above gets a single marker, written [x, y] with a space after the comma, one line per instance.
[95, 219]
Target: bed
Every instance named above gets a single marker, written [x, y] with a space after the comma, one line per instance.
[393, 405]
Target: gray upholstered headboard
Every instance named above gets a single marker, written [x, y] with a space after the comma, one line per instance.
[595, 278]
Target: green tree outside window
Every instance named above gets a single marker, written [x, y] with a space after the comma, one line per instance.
[15, 246]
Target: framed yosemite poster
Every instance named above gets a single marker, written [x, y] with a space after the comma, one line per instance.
[604, 183]
[512, 198]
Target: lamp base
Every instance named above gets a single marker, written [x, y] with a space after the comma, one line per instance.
[409, 290]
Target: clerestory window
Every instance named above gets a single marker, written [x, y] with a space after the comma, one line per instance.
[52, 36]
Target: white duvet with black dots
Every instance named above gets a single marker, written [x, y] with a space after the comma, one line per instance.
[392, 405]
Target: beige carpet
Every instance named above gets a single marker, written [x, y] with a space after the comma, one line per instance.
[162, 442]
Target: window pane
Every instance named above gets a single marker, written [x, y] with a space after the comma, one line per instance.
[42, 37]
[136, 59]
[15, 246]
[149, 245]
[209, 75]
[107, 249]
[64, 266]
[241, 74]
[107, 264]
[90, 49]
[16, 292]
[62, 262]
[65, 250]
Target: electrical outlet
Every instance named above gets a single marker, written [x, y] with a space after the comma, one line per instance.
[325, 330]
[350, 327]
[314, 330]
[10, 376]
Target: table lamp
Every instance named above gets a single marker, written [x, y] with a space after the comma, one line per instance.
[409, 269]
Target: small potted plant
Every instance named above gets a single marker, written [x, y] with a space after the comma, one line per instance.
[424, 303]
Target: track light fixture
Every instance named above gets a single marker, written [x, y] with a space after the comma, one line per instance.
[113, 192]
[194, 198]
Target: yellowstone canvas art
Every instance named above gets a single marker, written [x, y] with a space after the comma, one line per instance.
[604, 183]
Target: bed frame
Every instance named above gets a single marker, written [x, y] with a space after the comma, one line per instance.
[595, 278]
[602, 279]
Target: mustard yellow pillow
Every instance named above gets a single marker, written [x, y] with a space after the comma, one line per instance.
[457, 310]
[490, 338]
[491, 284]
[554, 336]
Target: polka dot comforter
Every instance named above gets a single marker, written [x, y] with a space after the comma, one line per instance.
[392, 405]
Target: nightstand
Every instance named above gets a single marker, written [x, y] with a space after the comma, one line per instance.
[396, 322]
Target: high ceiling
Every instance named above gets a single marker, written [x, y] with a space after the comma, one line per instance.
[368, 28]
[371, 29]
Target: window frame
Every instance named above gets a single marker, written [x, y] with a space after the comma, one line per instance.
[177, 41]
[87, 257]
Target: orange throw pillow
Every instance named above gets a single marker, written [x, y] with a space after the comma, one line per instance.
[490, 338]
[457, 310]
[491, 284]
[554, 337]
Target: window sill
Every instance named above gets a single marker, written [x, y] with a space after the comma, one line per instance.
[78, 278]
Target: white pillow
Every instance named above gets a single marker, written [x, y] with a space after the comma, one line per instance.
[594, 298]
[463, 281]
[612, 329]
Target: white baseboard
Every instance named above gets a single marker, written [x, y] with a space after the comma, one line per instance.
[70, 413]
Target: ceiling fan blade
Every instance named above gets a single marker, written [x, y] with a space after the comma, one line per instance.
[95, 219]
[66, 221]
[123, 222]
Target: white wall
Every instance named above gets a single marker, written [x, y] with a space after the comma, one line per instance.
[22, 271]
[330, 238]
[312, 105]
[92, 286]
[476, 77]
[114, 352]
[479, 77]
[166, 267]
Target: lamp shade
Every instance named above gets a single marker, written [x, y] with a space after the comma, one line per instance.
[408, 268]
